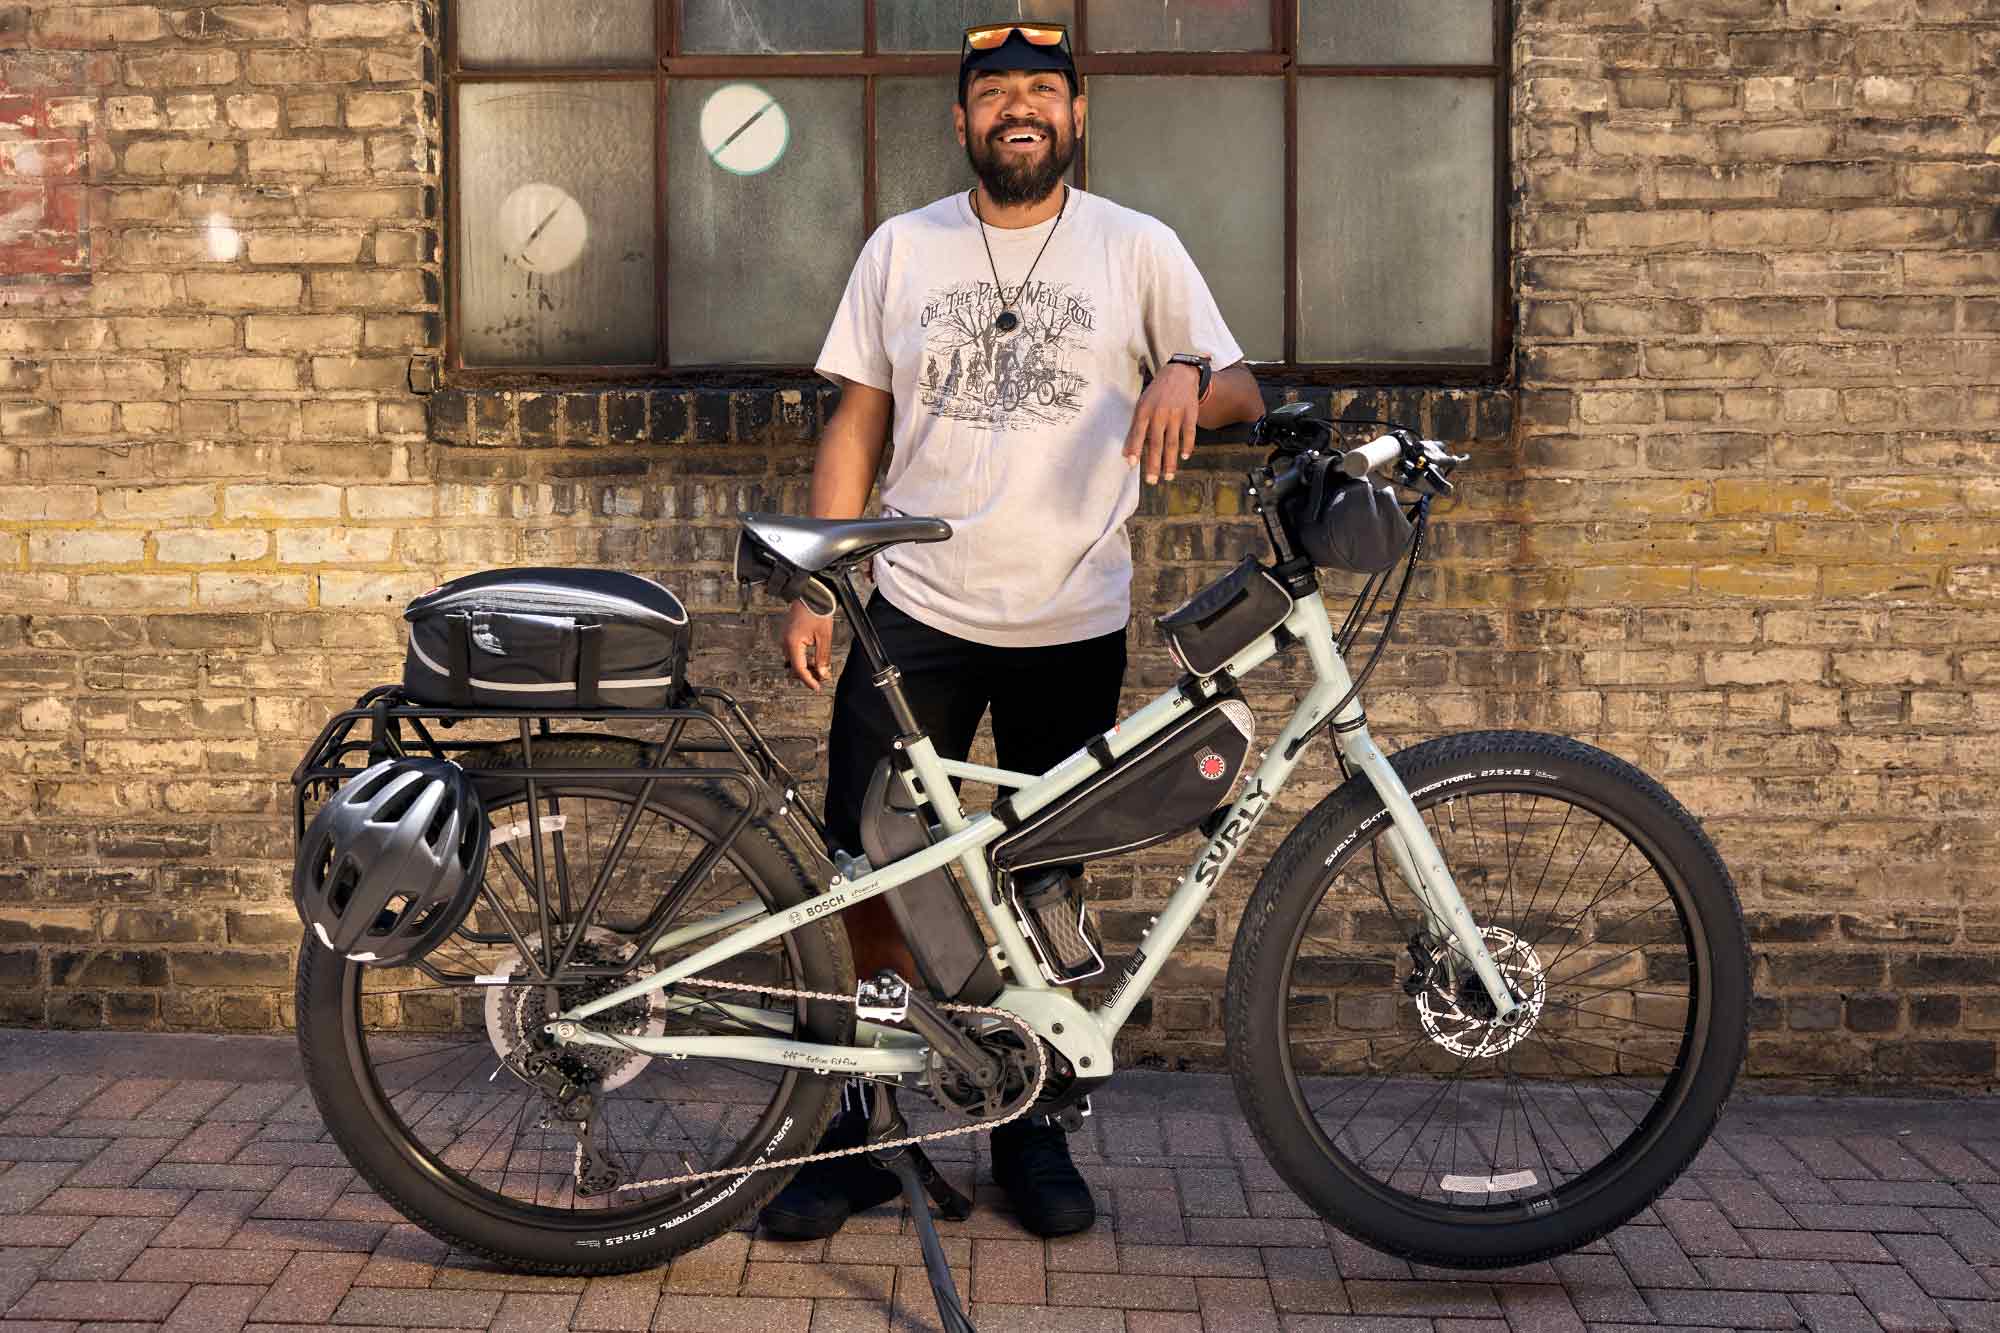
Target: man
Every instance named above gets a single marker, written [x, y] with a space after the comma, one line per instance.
[1023, 611]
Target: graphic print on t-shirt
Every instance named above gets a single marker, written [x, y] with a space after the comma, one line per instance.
[1021, 380]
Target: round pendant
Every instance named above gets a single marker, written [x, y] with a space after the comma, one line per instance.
[1007, 321]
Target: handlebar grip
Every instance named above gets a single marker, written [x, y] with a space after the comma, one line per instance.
[1376, 453]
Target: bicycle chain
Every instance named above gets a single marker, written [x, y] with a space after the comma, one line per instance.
[1027, 1102]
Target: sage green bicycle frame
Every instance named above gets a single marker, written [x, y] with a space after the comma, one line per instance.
[1082, 1035]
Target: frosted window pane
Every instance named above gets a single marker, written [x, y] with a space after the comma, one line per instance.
[1227, 205]
[555, 223]
[500, 33]
[1180, 25]
[1396, 220]
[917, 156]
[761, 235]
[756, 26]
[1392, 32]
[939, 25]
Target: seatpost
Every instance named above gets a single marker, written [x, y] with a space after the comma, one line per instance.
[884, 673]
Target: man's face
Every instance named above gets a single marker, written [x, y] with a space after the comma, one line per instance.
[1019, 129]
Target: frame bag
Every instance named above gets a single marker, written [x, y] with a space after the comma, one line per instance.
[1160, 790]
[1226, 617]
[547, 638]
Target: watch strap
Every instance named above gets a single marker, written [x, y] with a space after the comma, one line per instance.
[1202, 368]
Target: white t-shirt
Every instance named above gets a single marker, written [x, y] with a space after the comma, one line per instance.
[1017, 438]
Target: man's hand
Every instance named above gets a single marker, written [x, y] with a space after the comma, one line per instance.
[808, 643]
[1162, 433]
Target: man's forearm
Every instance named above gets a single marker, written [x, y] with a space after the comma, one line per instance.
[1233, 397]
[850, 451]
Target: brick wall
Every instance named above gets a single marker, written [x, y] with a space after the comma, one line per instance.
[1734, 521]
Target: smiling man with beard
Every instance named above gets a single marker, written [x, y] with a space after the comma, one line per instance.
[1050, 306]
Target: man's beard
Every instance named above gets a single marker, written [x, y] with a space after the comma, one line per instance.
[1028, 179]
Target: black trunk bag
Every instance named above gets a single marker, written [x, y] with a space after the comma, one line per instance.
[547, 638]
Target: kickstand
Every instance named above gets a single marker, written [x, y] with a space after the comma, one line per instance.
[917, 1173]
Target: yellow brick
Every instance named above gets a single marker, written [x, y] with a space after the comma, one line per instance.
[147, 591]
[212, 374]
[181, 158]
[210, 546]
[47, 502]
[301, 333]
[1867, 494]
[1804, 495]
[390, 501]
[163, 501]
[304, 247]
[86, 548]
[1758, 579]
[312, 546]
[111, 25]
[281, 501]
[381, 592]
[1626, 584]
[244, 291]
[253, 591]
[1847, 540]
[1871, 581]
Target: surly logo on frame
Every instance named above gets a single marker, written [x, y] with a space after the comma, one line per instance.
[1229, 839]
[1021, 380]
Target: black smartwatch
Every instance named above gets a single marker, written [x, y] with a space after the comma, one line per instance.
[1200, 363]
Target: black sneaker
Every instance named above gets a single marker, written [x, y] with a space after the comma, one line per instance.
[1031, 1162]
[823, 1195]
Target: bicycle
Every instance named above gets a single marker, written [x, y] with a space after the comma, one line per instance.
[1484, 1004]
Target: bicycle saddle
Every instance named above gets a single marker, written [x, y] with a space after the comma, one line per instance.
[812, 544]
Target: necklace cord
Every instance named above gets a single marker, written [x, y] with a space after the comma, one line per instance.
[1000, 291]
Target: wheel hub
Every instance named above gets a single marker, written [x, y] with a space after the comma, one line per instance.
[1457, 1012]
[516, 1016]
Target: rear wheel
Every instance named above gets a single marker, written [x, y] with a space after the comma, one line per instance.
[1368, 1059]
[409, 1076]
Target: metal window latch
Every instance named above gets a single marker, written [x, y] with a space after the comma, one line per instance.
[882, 999]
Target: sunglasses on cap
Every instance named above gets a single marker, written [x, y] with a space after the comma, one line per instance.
[987, 36]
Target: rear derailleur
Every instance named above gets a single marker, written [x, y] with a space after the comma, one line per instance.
[571, 1105]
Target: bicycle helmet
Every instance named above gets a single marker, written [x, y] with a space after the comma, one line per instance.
[391, 864]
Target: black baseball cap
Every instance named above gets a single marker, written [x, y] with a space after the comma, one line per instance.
[1023, 45]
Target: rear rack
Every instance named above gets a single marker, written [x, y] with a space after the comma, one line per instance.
[385, 723]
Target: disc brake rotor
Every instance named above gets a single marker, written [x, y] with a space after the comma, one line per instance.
[515, 1016]
[1456, 1013]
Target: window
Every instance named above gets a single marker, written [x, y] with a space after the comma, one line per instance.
[637, 187]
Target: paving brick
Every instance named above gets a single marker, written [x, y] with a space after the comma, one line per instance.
[39, 1229]
[1336, 1323]
[228, 1267]
[115, 1202]
[1192, 1260]
[213, 1141]
[307, 1235]
[109, 1247]
[1973, 1234]
[1835, 1314]
[1044, 1319]
[1252, 1231]
[27, 1184]
[1009, 1272]
[123, 1162]
[1860, 1217]
[1938, 1268]
[1355, 1260]
[311, 1287]
[214, 1176]
[707, 1314]
[1540, 1309]
[1123, 1291]
[49, 1148]
[62, 1096]
[305, 1191]
[1771, 1275]
[465, 1273]
[1652, 1253]
[192, 1099]
[533, 1312]
[1700, 1228]
[1895, 1300]
[1746, 1203]
[1887, 1157]
[626, 1303]
[425, 1309]
[1722, 1309]
[1854, 1246]
[831, 1316]
[837, 1281]
[1949, 1160]
[212, 1309]
[99, 1300]
[1973, 1316]
[716, 1268]
[1211, 1192]
[1422, 1298]
[208, 1220]
[125, 1099]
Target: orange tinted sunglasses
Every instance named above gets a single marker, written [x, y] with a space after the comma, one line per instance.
[989, 35]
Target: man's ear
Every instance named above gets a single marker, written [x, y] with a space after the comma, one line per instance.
[958, 123]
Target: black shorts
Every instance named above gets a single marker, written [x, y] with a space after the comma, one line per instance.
[1047, 702]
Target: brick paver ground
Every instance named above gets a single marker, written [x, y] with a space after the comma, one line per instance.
[185, 1183]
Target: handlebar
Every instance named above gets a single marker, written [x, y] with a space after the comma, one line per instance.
[1378, 452]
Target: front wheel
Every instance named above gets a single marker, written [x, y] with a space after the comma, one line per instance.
[1367, 1057]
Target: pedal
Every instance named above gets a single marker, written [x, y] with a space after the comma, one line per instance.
[883, 998]
[1070, 1119]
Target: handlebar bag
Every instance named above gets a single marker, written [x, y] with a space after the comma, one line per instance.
[1346, 523]
[1226, 617]
[547, 638]
[1158, 791]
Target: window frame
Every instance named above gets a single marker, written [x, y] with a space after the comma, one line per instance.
[869, 66]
